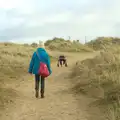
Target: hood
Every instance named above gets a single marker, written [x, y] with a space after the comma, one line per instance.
[41, 49]
[42, 52]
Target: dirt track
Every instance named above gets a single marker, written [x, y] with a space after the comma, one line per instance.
[58, 104]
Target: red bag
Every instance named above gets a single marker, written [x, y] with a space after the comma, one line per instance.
[43, 70]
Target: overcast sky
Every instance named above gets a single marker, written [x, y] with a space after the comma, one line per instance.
[31, 20]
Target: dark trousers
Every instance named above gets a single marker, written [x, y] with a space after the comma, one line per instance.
[39, 79]
[62, 61]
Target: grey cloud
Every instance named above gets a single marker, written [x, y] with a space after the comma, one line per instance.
[22, 29]
[50, 29]
[46, 30]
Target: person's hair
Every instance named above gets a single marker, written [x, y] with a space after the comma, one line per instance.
[41, 45]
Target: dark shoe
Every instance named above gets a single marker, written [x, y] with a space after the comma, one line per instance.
[42, 94]
[37, 94]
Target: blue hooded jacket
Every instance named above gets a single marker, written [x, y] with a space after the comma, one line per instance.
[35, 61]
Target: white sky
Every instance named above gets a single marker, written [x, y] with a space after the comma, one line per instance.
[32, 20]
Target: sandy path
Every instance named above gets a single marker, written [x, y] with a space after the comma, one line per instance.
[57, 104]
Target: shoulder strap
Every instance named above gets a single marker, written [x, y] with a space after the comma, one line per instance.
[38, 55]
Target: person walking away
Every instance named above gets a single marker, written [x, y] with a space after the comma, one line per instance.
[40, 55]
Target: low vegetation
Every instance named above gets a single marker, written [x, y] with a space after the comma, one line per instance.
[99, 78]
[102, 43]
[14, 61]
[59, 44]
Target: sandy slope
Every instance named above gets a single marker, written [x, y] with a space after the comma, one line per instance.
[58, 104]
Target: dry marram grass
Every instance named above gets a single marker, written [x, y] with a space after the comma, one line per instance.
[99, 78]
